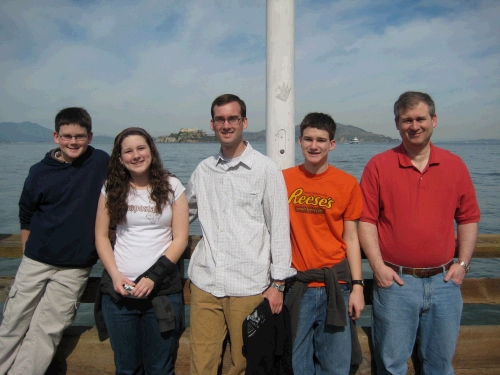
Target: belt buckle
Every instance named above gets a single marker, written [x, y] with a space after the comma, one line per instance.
[417, 269]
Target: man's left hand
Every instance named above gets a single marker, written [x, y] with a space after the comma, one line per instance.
[275, 298]
[456, 272]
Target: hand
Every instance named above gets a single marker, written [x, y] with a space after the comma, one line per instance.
[143, 288]
[385, 276]
[456, 272]
[275, 298]
[118, 280]
[356, 302]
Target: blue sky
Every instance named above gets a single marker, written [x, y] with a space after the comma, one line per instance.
[159, 64]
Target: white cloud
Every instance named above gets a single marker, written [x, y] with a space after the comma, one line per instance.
[159, 65]
[436, 55]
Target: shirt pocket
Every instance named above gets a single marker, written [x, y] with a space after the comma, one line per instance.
[249, 202]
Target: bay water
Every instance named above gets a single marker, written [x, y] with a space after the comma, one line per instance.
[482, 160]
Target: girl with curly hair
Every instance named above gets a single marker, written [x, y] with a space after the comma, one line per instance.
[140, 301]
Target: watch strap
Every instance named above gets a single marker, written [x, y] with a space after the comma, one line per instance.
[465, 266]
[280, 287]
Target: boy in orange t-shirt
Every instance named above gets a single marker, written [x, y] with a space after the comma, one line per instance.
[327, 295]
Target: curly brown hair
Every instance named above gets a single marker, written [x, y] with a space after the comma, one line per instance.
[117, 183]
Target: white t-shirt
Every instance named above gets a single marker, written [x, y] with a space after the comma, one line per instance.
[146, 235]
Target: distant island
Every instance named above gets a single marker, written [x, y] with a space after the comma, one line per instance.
[187, 135]
[343, 135]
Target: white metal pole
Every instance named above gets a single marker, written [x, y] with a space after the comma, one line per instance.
[280, 89]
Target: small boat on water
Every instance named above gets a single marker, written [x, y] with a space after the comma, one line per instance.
[354, 140]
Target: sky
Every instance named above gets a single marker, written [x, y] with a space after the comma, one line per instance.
[160, 64]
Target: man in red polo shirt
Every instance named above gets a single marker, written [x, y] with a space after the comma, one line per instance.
[412, 196]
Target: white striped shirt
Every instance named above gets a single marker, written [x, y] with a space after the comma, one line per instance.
[243, 210]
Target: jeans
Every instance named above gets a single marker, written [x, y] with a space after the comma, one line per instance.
[320, 349]
[426, 310]
[138, 345]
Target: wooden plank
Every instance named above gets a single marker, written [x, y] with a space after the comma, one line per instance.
[478, 371]
[10, 246]
[481, 290]
[474, 291]
[477, 348]
[488, 246]
[81, 352]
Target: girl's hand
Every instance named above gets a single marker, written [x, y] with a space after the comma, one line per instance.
[118, 281]
[143, 288]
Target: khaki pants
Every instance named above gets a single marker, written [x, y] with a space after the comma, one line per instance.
[211, 319]
[42, 302]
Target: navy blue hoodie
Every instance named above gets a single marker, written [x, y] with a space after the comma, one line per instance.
[58, 206]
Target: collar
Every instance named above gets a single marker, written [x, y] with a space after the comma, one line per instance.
[308, 174]
[245, 158]
[404, 160]
[56, 153]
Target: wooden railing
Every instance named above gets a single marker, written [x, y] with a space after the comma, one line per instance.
[80, 351]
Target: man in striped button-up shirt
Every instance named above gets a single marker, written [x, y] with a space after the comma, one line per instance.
[240, 198]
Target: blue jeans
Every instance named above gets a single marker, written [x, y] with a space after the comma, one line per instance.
[138, 345]
[320, 349]
[426, 310]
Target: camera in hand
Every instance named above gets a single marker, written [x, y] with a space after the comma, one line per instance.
[128, 287]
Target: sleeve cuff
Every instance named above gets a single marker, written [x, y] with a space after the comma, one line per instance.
[282, 273]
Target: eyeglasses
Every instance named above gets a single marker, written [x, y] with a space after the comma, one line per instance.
[78, 137]
[233, 120]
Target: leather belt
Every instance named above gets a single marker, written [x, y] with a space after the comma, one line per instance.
[420, 272]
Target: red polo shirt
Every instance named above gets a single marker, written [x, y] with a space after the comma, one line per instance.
[415, 211]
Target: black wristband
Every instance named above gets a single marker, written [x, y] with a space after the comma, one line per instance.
[160, 270]
[358, 282]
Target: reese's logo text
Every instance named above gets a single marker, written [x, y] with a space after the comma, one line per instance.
[309, 203]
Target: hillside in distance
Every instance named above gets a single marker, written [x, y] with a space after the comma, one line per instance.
[13, 132]
[30, 132]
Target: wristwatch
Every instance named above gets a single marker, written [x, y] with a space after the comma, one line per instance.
[464, 265]
[280, 287]
[358, 282]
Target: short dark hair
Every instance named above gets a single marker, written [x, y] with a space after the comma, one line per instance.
[226, 99]
[410, 99]
[320, 121]
[73, 115]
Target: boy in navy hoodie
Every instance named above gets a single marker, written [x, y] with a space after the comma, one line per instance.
[57, 211]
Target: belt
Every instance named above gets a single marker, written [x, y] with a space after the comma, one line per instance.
[420, 272]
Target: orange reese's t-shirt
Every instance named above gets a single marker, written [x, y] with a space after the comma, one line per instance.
[319, 205]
